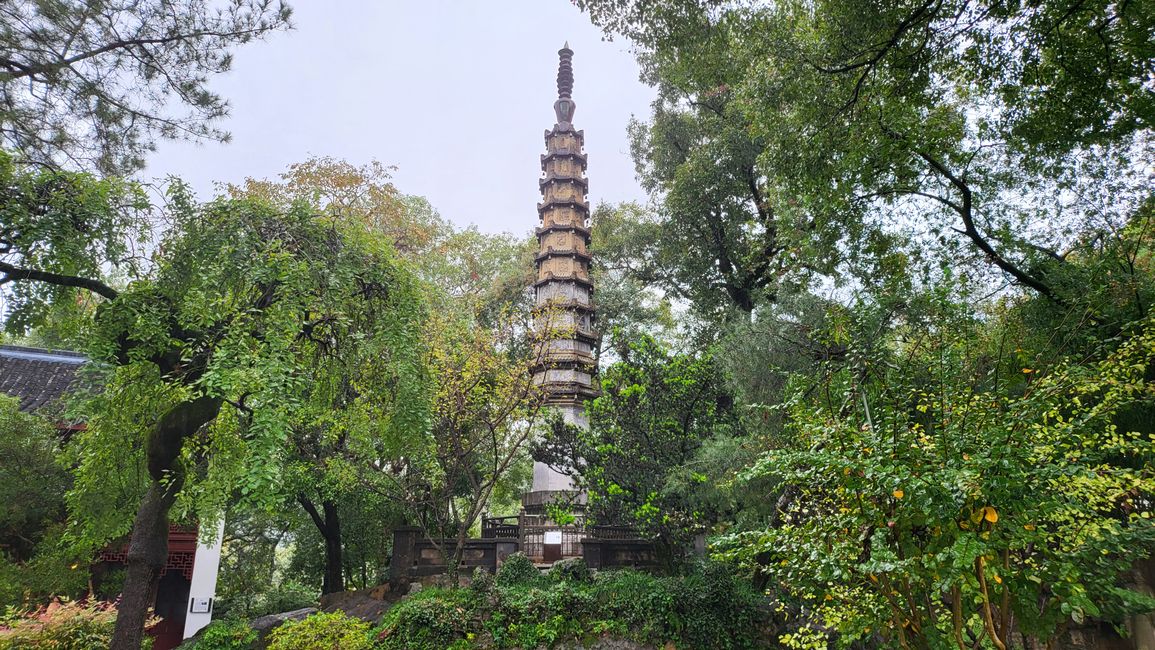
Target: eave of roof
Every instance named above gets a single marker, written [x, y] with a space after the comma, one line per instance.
[36, 377]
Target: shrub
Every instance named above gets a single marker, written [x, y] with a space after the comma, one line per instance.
[708, 609]
[433, 619]
[483, 582]
[517, 570]
[284, 596]
[62, 626]
[334, 631]
[574, 569]
[226, 635]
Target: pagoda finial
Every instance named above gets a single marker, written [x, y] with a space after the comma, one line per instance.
[564, 107]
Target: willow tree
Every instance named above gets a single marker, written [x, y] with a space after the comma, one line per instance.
[207, 349]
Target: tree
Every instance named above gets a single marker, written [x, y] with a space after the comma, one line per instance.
[350, 378]
[634, 291]
[206, 348]
[484, 414]
[465, 271]
[33, 485]
[949, 496]
[965, 123]
[641, 461]
[33, 564]
[94, 85]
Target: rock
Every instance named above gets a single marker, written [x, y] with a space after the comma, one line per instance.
[380, 592]
[266, 624]
[415, 587]
[361, 604]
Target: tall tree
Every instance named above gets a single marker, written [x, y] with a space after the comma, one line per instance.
[463, 271]
[640, 461]
[484, 415]
[95, 84]
[636, 290]
[968, 123]
[347, 377]
[207, 347]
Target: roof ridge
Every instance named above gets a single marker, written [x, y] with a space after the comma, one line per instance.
[28, 352]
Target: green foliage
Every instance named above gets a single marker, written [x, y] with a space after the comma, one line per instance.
[482, 582]
[940, 496]
[284, 595]
[794, 138]
[638, 460]
[94, 85]
[225, 635]
[32, 484]
[631, 276]
[518, 569]
[66, 626]
[484, 409]
[708, 608]
[34, 564]
[227, 340]
[323, 631]
[573, 569]
[433, 618]
[67, 224]
[53, 571]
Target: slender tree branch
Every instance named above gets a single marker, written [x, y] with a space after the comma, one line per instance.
[15, 273]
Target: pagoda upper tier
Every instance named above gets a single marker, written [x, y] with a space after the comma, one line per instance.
[564, 291]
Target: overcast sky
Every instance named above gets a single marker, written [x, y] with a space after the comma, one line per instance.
[455, 93]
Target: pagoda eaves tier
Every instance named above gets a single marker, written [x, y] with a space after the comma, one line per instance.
[564, 292]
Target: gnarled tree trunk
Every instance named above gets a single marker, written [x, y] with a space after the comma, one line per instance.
[148, 548]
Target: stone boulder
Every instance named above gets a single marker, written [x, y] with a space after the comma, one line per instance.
[368, 605]
[266, 624]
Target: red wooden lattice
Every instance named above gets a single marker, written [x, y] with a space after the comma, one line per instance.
[182, 546]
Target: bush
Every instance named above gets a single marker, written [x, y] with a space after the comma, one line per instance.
[574, 569]
[62, 626]
[284, 596]
[433, 619]
[517, 570]
[708, 609]
[335, 631]
[226, 635]
[483, 582]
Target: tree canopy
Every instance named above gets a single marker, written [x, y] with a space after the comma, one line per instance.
[94, 85]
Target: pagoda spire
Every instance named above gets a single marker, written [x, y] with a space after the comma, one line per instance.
[563, 303]
[564, 106]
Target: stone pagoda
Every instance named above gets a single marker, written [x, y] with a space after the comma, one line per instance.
[564, 293]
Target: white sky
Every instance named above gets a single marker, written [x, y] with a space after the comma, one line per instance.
[455, 93]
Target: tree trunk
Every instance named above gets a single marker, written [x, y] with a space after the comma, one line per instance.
[147, 554]
[334, 561]
[328, 523]
[148, 548]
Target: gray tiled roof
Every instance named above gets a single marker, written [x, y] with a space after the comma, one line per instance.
[36, 377]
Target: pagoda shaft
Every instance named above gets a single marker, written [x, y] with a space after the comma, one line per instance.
[564, 309]
[564, 291]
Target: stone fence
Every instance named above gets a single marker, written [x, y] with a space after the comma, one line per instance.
[415, 555]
